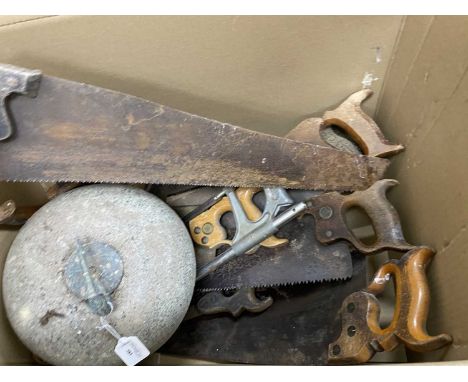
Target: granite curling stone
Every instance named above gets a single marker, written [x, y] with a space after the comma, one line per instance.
[98, 251]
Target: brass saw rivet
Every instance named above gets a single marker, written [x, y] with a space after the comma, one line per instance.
[325, 212]
[207, 228]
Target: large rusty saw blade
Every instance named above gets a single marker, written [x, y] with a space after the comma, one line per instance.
[73, 132]
[295, 330]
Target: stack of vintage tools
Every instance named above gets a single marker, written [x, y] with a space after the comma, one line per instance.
[279, 271]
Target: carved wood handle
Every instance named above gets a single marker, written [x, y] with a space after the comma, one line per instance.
[206, 229]
[361, 335]
[242, 300]
[362, 128]
[330, 208]
[10, 214]
[7, 209]
[349, 116]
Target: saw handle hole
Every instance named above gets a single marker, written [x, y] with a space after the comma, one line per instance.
[228, 292]
[229, 224]
[387, 300]
[350, 307]
[360, 225]
[339, 138]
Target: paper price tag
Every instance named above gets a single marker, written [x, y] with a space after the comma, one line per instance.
[131, 350]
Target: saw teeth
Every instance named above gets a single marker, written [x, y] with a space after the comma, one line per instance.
[321, 187]
[196, 184]
[287, 284]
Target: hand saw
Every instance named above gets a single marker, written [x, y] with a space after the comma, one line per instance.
[295, 257]
[295, 330]
[361, 333]
[276, 268]
[336, 323]
[252, 261]
[72, 132]
[329, 210]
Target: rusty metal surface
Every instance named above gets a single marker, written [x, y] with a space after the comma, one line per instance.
[74, 132]
[295, 330]
[14, 80]
[303, 260]
[362, 336]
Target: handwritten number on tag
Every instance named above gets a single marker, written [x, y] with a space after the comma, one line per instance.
[131, 350]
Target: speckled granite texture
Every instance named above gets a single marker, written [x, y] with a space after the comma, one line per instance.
[151, 300]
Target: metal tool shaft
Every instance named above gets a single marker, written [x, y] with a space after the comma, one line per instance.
[257, 236]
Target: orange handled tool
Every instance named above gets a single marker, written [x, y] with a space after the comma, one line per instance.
[361, 334]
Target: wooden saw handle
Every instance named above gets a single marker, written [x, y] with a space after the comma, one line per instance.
[351, 118]
[206, 229]
[361, 335]
[242, 300]
[329, 211]
[10, 214]
[7, 209]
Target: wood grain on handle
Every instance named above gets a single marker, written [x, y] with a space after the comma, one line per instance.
[362, 128]
[329, 211]
[349, 116]
[361, 334]
[207, 231]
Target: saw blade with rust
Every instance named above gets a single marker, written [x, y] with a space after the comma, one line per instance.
[302, 260]
[295, 330]
[73, 132]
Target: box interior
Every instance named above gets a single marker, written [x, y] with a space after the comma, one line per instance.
[270, 73]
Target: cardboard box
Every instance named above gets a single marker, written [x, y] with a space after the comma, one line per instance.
[268, 74]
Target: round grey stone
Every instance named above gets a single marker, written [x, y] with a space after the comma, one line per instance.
[151, 299]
